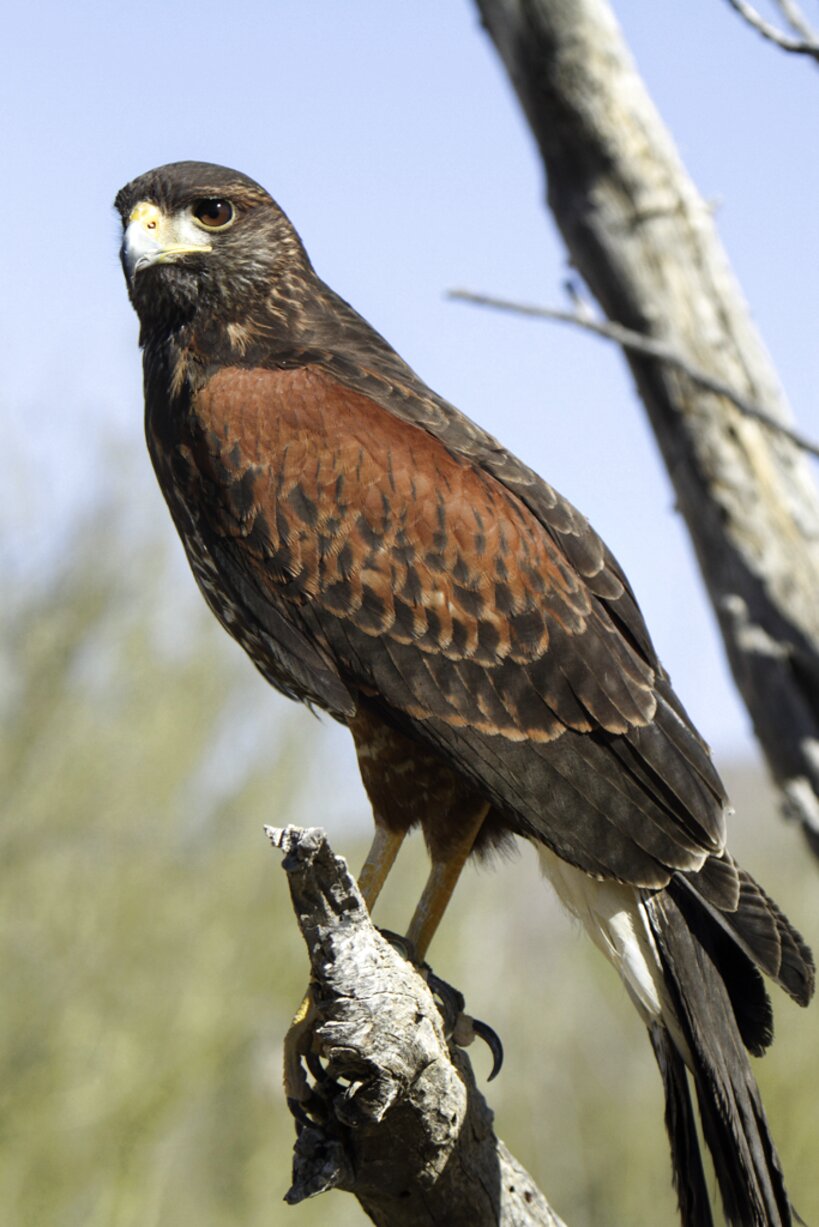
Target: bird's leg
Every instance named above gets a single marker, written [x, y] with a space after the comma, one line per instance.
[297, 1045]
[298, 1041]
[443, 877]
[379, 862]
[441, 883]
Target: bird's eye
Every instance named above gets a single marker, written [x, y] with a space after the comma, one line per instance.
[213, 213]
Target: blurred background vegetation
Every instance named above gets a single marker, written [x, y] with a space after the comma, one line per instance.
[150, 961]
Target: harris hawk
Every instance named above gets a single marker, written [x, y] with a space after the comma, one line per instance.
[381, 557]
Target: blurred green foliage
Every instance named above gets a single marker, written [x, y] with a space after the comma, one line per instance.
[150, 962]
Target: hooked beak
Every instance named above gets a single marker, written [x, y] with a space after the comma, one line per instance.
[151, 237]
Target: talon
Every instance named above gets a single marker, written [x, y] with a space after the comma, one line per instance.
[313, 1062]
[464, 1032]
[310, 1111]
[449, 1000]
[296, 1110]
[493, 1042]
[402, 944]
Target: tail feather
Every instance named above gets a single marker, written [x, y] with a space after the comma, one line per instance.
[733, 964]
[747, 1167]
[680, 1122]
[691, 957]
[752, 918]
[795, 972]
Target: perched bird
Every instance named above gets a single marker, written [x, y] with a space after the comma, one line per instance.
[381, 557]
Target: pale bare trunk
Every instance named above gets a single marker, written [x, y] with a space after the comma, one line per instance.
[645, 242]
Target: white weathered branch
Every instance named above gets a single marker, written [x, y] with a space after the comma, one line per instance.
[639, 344]
[645, 243]
[797, 20]
[397, 1119]
[805, 44]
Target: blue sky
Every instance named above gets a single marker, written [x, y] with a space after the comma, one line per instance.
[389, 134]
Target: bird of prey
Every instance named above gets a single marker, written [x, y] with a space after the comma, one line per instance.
[381, 557]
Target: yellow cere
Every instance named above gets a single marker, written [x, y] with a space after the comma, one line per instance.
[146, 213]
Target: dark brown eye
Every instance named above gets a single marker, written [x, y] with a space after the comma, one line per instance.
[213, 214]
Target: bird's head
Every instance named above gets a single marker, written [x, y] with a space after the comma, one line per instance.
[203, 241]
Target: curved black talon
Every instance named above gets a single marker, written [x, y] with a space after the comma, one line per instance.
[311, 1111]
[450, 1000]
[298, 1113]
[314, 1065]
[494, 1044]
[459, 1026]
[402, 944]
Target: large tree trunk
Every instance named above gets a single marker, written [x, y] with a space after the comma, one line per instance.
[645, 243]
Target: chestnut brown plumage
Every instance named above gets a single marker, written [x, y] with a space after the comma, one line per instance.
[380, 556]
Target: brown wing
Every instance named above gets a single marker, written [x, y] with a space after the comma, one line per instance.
[435, 589]
[335, 337]
[380, 525]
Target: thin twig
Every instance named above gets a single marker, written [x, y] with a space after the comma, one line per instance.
[799, 46]
[637, 342]
[797, 20]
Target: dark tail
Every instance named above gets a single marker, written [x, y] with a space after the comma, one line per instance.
[710, 960]
[689, 1177]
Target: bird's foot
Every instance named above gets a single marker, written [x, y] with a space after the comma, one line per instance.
[312, 1089]
[459, 1026]
[301, 1059]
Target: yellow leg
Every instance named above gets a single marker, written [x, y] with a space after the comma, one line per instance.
[379, 862]
[439, 887]
[296, 1045]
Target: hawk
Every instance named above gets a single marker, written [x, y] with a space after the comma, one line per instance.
[381, 557]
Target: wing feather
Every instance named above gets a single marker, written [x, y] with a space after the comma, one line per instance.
[474, 602]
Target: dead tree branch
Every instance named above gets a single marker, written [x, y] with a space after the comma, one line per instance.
[806, 44]
[797, 20]
[399, 1120]
[644, 241]
[636, 343]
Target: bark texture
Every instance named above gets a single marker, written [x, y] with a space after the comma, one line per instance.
[645, 243]
[397, 1118]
